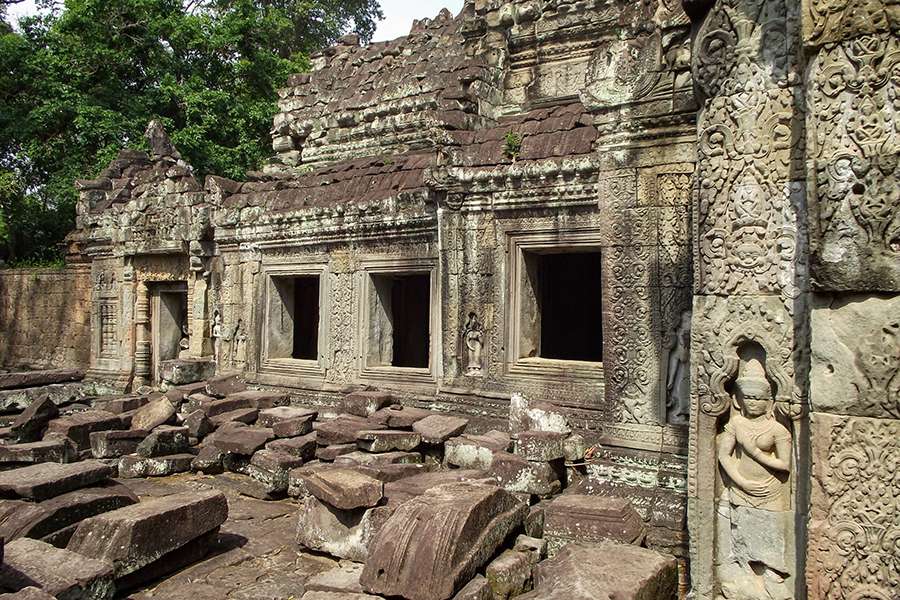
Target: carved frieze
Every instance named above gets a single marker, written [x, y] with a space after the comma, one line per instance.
[854, 533]
[827, 21]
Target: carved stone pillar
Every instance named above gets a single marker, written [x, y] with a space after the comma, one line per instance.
[746, 477]
[142, 352]
[201, 343]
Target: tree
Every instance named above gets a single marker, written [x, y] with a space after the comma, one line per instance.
[80, 82]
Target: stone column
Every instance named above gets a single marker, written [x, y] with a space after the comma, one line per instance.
[852, 159]
[142, 352]
[748, 350]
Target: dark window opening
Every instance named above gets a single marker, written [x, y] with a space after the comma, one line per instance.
[569, 307]
[306, 318]
[400, 328]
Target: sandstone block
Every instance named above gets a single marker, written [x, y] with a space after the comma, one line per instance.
[122, 404]
[63, 574]
[244, 441]
[46, 480]
[56, 450]
[224, 385]
[297, 482]
[30, 423]
[294, 427]
[526, 415]
[135, 536]
[303, 447]
[476, 589]
[133, 465]
[345, 489]
[29, 593]
[317, 595]
[26, 379]
[365, 404]
[383, 458]
[268, 417]
[272, 469]
[509, 574]
[342, 533]
[115, 443]
[208, 460]
[342, 578]
[400, 491]
[584, 571]
[584, 518]
[153, 414]
[186, 370]
[198, 424]
[437, 429]
[386, 440]
[344, 429]
[400, 417]
[164, 440]
[248, 416]
[475, 451]
[392, 472]
[471, 520]
[332, 452]
[515, 474]
[543, 446]
[260, 399]
[78, 427]
[226, 405]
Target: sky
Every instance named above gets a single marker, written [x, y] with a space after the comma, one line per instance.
[398, 14]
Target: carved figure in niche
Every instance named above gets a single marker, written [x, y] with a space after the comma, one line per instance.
[754, 448]
[678, 374]
[238, 338]
[217, 336]
[474, 337]
[185, 344]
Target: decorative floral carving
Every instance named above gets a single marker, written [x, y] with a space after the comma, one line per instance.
[833, 20]
[878, 359]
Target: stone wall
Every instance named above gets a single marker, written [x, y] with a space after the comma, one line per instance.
[45, 317]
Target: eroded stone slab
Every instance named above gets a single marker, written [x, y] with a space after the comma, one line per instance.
[268, 417]
[134, 465]
[78, 427]
[437, 429]
[387, 440]
[153, 414]
[115, 443]
[244, 441]
[56, 450]
[30, 424]
[342, 533]
[61, 573]
[365, 404]
[46, 480]
[344, 429]
[584, 518]
[346, 489]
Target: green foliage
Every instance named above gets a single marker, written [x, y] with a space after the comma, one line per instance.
[512, 145]
[79, 83]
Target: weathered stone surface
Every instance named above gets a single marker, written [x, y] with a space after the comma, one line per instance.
[194, 551]
[477, 589]
[30, 424]
[260, 399]
[46, 480]
[470, 451]
[224, 385]
[29, 593]
[392, 472]
[343, 533]
[78, 427]
[233, 403]
[342, 578]
[60, 394]
[293, 427]
[186, 370]
[400, 417]
[135, 536]
[303, 447]
[40, 519]
[63, 574]
[509, 574]
[57, 450]
[365, 404]
[244, 441]
[543, 446]
[134, 465]
[164, 440]
[400, 491]
[515, 474]
[437, 429]
[297, 480]
[268, 417]
[583, 518]
[24, 379]
[583, 571]
[153, 414]
[247, 416]
[115, 443]
[120, 404]
[332, 452]
[345, 489]
[320, 595]
[386, 440]
[344, 429]
[527, 415]
[381, 458]
[198, 424]
[272, 469]
[208, 459]
[432, 545]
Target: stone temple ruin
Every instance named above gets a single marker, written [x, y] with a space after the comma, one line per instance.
[554, 299]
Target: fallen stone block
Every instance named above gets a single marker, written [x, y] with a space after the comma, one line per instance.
[220, 406]
[272, 469]
[29, 425]
[61, 394]
[294, 427]
[296, 480]
[198, 424]
[197, 401]
[342, 578]
[345, 489]
[115, 443]
[476, 589]
[29, 593]
[383, 458]
[584, 518]
[224, 385]
[541, 446]
[41, 519]
[437, 429]
[163, 441]
[337, 596]
[133, 466]
[398, 492]
[365, 404]
[244, 440]
[575, 447]
[209, 460]
[248, 416]
[344, 429]
[534, 522]
[332, 452]
[386, 440]
[188, 554]
[153, 414]
[509, 574]
[515, 474]
[120, 404]
[58, 450]
[400, 417]
[527, 415]
[303, 447]
[584, 571]
[342, 533]
[475, 451]
[260, 399]
[471, 520]
[63, 574]
[78, 427]
[135, 536]
[46, 480]
[268, 417]
[392, 472]
[27, 379]
[181, 371]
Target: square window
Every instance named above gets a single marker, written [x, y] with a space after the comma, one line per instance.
[399, 320]
[293, 324]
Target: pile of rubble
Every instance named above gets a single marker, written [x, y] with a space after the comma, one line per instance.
[423, 509]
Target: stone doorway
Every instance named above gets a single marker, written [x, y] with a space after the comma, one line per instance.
[168, 323]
